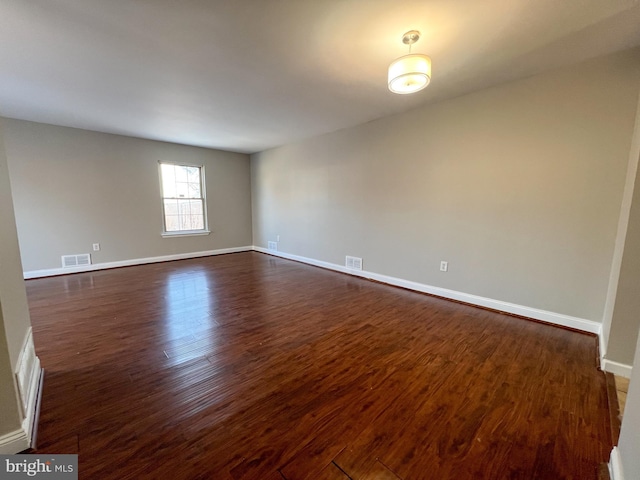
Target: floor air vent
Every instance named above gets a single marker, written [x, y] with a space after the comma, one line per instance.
[76, 260]
[354, 263]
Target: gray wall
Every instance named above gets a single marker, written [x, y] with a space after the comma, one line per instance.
[625, 320]
[624, 281]
[14, 313]
[518, 187]
[73, 188]
[13, 297]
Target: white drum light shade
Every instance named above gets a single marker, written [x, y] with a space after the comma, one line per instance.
[410, 73]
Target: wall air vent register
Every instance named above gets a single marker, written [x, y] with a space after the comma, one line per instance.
[76, 260]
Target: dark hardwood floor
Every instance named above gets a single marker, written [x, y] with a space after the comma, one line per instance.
[247, 366]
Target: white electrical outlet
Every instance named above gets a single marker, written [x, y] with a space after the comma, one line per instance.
[272, 246]
[444, 266]
[96, 247]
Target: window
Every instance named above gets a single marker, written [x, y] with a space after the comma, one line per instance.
[183, 199]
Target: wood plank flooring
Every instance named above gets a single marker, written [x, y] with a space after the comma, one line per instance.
[247, 366]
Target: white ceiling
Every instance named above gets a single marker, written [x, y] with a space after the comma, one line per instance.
[246, 75]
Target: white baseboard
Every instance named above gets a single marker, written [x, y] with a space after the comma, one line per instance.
[28, 374]
[621, 369]
[535, 313]
[27, 383]
[615, 465]
[602, 347]
[617, 368]
[28, 377]
[128, 263]
[14, 442]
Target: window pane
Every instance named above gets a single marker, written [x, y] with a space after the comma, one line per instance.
[194, 190]
[182, 190]
[170, 207]
[172, 223]
[184, 207]
[181, 173]
[168, 180]
[196, 207]
[193, 174]
[197, 222]
[168, 171]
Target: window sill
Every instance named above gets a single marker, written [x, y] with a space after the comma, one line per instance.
[186, 233]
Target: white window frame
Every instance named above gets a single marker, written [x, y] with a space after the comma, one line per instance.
[203, 195]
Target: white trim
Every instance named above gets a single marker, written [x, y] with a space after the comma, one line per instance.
[135, 261]
[619, 249]
[14, 442]
[185, 233]
[28, 375]
[606, 365]
[550, 317]
[602, 351]
[623, 223]
[621, 369]
[615, 465]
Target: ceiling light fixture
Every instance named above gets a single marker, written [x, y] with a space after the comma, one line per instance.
[412, 72]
